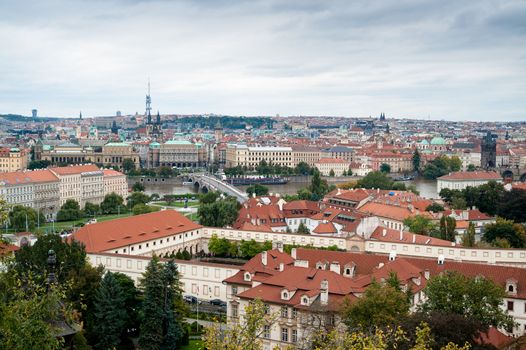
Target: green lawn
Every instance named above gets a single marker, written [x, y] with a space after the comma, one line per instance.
[193, 217]
[193, 345]
[48, 226]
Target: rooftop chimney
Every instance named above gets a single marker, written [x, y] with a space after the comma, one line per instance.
[384, 232]
[293, 253]
[264, 258]
[426, 274]
[281, 266]
[324, 292]
[401, 235]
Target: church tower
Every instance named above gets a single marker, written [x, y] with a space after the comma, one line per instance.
[488, 150]
[218, 131]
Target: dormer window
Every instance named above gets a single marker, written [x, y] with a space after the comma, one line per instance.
[285, 295]
[304, 301]
[247, 276]
[511, 286]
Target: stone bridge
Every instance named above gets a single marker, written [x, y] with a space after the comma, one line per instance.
[206, 183]
[513, 173]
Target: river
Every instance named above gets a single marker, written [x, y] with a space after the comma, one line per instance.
[427, 188]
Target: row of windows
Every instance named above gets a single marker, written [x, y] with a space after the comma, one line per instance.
[147, 245]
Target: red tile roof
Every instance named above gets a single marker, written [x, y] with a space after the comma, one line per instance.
[392, 235]
[471, 175]
[75, 169]
[111, 172]
[113, 234]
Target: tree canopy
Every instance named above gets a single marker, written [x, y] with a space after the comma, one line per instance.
[477, 298]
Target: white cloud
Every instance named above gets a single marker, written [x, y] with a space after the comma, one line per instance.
[448, 59]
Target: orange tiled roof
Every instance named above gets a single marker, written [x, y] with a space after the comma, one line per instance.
[471, 175]
[113, 234]
[75, 169]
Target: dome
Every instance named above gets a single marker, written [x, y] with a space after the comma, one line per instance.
[424, 142]
[438, 141]
[155, 145]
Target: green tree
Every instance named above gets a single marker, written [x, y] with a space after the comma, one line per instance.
[218, 214]
[110, 313]
[91, 209]
[209, 197]
[23, 218]
[25, 315]
[448, 225]
[477, 298]
[455, 164]
[303, 169]
[385, 168]
[112, 204]
[331, 173]
[304, 194]
[419, 224]
[219, 246]
[471, 168]
[38, 164]
[514, 233]
[165, 172]
[435, 207]
[161, 324]
[303, 229]
[128, 165]
[511, 205]
[318, 187]
[69, 211]
[344, 173]
[468, 238]
[138, 187]
[258, 189]
[137, 198]
[381, 305]
[246, 334]
[375, 179]
[249, 249]
[140, 208]
[416, 160]
[458, 203]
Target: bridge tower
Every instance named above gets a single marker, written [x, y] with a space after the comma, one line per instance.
[488, 151]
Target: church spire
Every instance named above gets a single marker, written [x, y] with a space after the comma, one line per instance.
[158, 118]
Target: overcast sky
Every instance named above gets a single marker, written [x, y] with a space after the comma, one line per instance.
[447, 59]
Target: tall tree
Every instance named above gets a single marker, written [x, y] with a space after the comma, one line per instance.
[138, 187]
[318, 187]
[468, 238]
[218, 214]
[419, 224]
[478, 298]
[23, 218]
[69, 211]
[416, 160]
[385, 168]
[258, 189]
[381, 305]
[511, 205]
[110, 313]
[161, 325]
[137, 198]
[128, 165]
[514, 233]
[112, 204]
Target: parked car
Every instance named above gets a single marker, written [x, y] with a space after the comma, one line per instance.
[190, 299]
[218, 302]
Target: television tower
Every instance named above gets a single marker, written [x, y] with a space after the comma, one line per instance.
[148, 104]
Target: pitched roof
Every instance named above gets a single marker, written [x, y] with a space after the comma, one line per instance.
[113, 234]
[111, 172]
[389, 235]
[471, 175]
[75, 169]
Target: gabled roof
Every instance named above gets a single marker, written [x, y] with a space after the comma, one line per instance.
[114, 234]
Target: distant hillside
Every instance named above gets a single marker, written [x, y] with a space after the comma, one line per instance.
[23, 118]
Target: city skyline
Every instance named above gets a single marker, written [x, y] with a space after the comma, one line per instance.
[449, 60]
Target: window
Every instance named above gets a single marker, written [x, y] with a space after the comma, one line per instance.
[294, 337]
[234, 290]
[284, 312]
[233, 307]
[285, 334]
[510, 305]
[510, 288]
[294, 313]
[266, 331]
